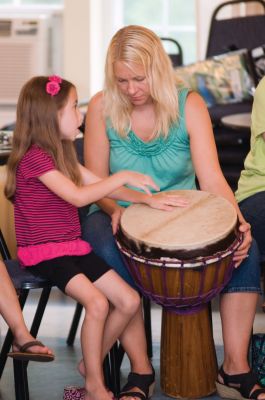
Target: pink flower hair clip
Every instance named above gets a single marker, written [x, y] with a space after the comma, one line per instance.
[53, 85]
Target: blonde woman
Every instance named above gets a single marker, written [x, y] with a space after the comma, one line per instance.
[144, 121]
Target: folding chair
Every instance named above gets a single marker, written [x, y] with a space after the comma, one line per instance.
[24, 281]
[177, 56]
[227, 34]
[242, 32]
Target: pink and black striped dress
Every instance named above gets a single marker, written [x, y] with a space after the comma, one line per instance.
[46, 225]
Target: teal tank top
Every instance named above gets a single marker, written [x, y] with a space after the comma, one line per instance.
[167, 160]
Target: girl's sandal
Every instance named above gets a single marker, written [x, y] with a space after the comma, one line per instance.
[238, 387]
[146, 383]
[21, 352]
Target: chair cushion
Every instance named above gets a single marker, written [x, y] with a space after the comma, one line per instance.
[22, 278]
[221, 80]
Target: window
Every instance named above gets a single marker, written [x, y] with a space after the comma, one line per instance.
[16, 3]
[168, 18]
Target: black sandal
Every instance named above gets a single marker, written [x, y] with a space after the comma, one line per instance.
[146, 383]
[238, 387]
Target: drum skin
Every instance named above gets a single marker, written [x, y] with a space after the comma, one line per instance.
[182, 270]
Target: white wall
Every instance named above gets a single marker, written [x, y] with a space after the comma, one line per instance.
[87, 32]
[76, 34]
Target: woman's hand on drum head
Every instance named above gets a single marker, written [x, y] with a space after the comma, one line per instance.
[166, 201]
[242, 252]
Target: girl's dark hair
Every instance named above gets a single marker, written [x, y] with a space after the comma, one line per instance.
[37, 123]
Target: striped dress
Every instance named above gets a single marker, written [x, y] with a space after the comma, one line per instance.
[46, 225]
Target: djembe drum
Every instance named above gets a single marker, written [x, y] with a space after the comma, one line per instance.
[181, 259]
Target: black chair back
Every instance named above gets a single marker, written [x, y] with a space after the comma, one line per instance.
[235, 33]
[177, 56]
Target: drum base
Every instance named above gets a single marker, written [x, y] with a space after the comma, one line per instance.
[188, 360]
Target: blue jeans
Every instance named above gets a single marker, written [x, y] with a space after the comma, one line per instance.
[97, 230]
[253, 209]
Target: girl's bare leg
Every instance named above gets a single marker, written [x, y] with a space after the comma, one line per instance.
[125, 322]
[126, 303]
[96, 311]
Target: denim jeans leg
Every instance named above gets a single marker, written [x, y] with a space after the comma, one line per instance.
[97, 230]
[246, 278]
[253, 210]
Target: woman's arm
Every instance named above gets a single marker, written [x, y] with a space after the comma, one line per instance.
[205, 161]
[96, 147]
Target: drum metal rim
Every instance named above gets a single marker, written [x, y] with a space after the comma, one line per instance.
[177, 263]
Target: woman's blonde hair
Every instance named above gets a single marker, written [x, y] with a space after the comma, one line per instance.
[139, 45]
[37, 123]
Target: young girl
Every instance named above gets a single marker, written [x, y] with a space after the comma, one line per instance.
[47, 184]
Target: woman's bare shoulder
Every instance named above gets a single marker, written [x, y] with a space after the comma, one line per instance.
[96, 102]
[194, 99]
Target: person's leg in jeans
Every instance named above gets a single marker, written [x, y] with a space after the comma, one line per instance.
[97, 230]
[253, 210]
[237, 308]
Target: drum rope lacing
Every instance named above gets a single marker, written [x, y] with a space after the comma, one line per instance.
[181, 304]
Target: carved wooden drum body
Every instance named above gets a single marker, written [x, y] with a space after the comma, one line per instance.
[181, 259]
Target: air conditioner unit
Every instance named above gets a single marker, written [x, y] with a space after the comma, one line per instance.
[27, 49]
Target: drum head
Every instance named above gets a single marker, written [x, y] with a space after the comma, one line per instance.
[205, 226]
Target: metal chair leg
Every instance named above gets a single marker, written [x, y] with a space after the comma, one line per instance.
[148, 326]
[40, 311]
[21, 380]
[72, 333]
[20, 367]
[115, 369]
[106, 372]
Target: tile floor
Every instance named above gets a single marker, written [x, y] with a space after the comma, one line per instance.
[46, 381]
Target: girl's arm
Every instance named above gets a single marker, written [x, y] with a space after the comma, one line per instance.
[63, 187]
[111, 186]
[206, 164]
[164, 201]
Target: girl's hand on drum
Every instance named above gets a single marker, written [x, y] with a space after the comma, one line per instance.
[139, 180]
[242, 252]
[166, 201]
[115, 218]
